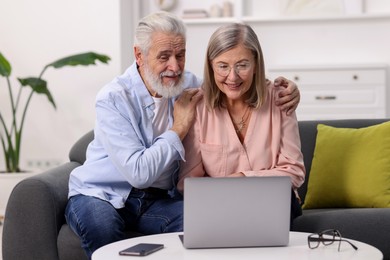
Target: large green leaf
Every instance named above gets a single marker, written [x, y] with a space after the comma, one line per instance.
[85, 59]
[11, 139]
[5, 67]
[38, 86]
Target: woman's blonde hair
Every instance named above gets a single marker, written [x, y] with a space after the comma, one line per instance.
[224, 39]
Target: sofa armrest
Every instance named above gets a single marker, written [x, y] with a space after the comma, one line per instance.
[35, 214]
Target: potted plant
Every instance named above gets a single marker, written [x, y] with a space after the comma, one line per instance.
[11, 128]
[11, 132]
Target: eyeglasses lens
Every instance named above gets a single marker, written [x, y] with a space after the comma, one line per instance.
[329, 236]
[314, 241]
[241, 69]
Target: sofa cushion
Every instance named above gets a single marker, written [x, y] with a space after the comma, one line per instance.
[350, 168]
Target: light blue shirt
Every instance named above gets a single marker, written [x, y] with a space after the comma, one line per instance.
[124, 153]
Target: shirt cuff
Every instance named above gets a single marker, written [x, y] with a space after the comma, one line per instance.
[174, 140]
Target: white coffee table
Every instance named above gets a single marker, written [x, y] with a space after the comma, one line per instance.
[297, 249]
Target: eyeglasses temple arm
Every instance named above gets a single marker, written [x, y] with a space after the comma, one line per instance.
[354, 247]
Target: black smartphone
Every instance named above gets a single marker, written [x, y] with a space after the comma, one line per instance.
[141, 249]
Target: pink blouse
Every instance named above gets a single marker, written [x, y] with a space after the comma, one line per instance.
[271, 146]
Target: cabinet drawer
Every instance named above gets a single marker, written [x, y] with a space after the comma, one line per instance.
[336, 92]
[331, 97]
[315, 77]
[320, 113]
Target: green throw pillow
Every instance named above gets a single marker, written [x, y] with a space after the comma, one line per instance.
[350, 168]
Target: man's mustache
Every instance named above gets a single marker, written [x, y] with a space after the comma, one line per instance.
[170, 74]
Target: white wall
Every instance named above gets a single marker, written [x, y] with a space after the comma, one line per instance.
[35, 33]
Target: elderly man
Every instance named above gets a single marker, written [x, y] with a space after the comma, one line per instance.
[129, 177]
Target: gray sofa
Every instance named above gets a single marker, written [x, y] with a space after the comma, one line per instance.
[35, 227]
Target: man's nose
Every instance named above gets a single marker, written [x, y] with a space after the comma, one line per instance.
[173, 64]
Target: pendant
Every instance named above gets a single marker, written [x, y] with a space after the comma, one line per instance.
[240, 126]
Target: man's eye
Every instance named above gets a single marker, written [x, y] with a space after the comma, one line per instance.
[180, 56]
[164, 57]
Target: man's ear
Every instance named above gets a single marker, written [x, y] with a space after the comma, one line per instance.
[138, 56]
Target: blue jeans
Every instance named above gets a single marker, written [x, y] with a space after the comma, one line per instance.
[98, 223]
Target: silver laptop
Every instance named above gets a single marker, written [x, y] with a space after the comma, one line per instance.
[236, 212]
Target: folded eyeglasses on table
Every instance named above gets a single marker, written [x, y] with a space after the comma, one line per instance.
[327, 237]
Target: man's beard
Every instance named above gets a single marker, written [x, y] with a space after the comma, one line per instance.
[171, 89]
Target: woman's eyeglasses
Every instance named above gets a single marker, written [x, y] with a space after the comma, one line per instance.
[327, 237]
[241, 69]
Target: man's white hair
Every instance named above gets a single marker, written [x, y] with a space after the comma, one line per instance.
[157, 22]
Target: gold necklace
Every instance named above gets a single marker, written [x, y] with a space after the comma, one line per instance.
[239, 126]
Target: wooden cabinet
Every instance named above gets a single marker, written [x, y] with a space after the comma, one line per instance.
[339, 92]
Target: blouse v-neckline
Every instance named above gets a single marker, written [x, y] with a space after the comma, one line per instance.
[232, 130]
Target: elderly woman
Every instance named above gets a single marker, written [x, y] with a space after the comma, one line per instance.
[239, 131]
